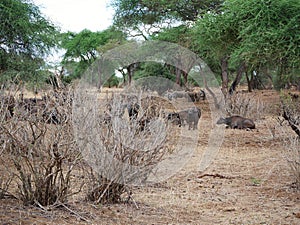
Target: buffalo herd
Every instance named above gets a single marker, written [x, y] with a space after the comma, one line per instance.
[51, 112]
[46, 109]
[191, 96]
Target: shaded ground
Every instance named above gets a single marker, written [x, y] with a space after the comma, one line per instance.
[248, 183]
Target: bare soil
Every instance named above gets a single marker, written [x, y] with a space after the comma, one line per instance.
[248, 182]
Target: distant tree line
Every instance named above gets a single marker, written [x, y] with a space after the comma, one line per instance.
[255, 42]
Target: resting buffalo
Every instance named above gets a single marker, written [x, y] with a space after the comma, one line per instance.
[237, 122]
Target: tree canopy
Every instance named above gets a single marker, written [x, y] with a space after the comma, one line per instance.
[235, 37]
[83, 48]
[26, 37]
[264, 35]
[253, 39]
[148, 16]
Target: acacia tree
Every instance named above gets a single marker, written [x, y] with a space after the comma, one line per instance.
[251, 36]
[214, 40]
[135, 14]
[26, 37]
[180, 35]
[269, 34]
[159, 19]
[83, 48]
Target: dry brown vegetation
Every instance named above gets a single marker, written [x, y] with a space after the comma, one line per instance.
[249, 181]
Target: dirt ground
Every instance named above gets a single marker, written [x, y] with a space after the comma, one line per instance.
[248, 182]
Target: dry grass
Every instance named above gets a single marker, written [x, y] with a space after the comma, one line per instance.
[249, 182]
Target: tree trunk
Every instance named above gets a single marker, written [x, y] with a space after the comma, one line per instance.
[216, 103]
[224, 75]
[178, 76]
[58, 78]
[123, 75]
[185, 77]
[100, 79]
[248, 81]
[130, 73]
[130, 70]
[239, 74]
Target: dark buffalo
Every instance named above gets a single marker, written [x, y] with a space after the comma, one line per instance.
[237, 122]
[133, 110]
[7, 105]
[44, 110]
[196, 96]
[193, 117]
[174, 118]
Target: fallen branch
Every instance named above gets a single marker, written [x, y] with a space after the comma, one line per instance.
[75, 213]
[215, 175]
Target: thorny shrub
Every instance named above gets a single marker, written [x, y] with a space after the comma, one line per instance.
[38, 147]
[122, 139]
[291, 113]
[244, 105]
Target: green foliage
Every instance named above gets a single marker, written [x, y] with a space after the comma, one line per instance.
[138, 13]
[24, 30]
[287, 80]
[263, 34]
[180, 35]
[268, 31]
[112, 81]
[133, 12]
[147, 73]
[83, 48]
[215, 37]
[25, 37]
[153, 69]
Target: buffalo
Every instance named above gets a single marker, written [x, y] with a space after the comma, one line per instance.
[174, 118]
[196, 96]
[191, 116]
[7, 105]
[192, 96]
[237, 122]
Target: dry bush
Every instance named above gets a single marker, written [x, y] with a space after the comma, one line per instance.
[122, 138]
[104, 191]
[7, 103]
[293, 158]
[291, 114]
[39, 148]
[244, 105]
[6, 177]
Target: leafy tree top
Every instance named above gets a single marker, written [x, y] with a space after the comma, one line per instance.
[23, 29]
[159, 13]
[85, 44]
